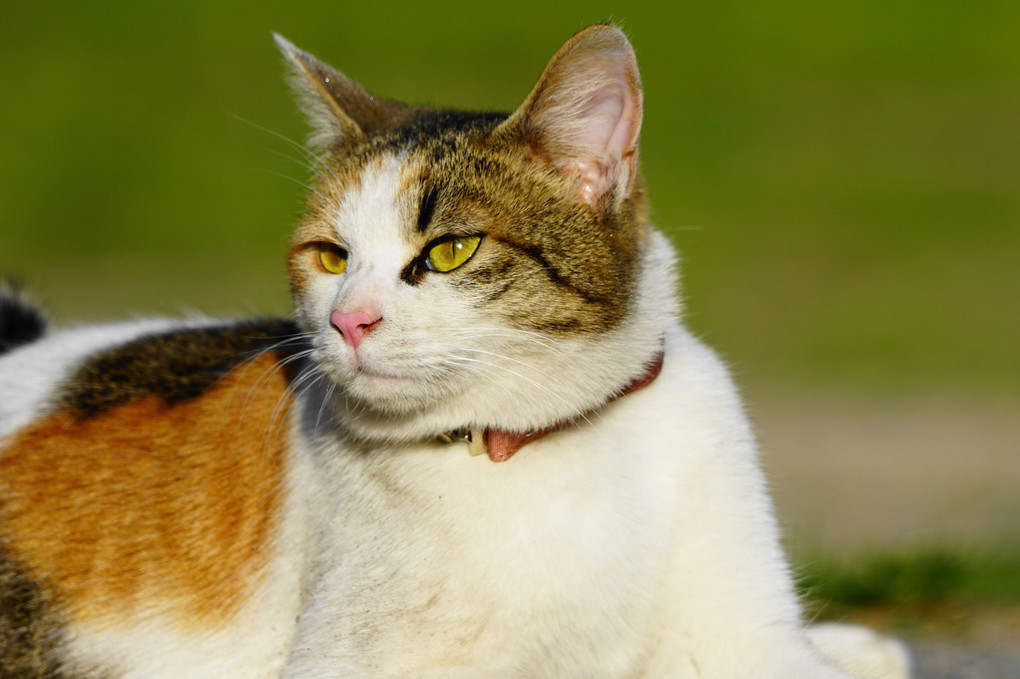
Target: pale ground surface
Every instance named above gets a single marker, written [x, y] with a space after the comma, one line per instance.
[848, 475]
[851, 474]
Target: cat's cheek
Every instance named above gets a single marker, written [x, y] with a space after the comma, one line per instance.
[311, 317]
[314, 299]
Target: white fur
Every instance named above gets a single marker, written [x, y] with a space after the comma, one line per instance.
[639, 542]
[642, 545]
[861, 651]
[29, 373]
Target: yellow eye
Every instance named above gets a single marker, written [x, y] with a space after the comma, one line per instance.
[332, 258]
[450, 254]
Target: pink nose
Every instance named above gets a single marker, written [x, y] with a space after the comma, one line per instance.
[353, 325]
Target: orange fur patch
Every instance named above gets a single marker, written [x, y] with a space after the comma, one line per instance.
[152, 509]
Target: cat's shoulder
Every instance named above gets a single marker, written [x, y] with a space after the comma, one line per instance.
[92, 368]
[695, 394]
[691, 365]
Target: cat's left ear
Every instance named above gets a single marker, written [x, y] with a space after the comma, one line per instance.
[584, 115]
[338, 108]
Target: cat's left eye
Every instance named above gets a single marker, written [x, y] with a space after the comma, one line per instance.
[332, 258]
[449, 254]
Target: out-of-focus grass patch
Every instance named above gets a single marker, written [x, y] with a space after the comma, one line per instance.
[916, 577]
[915, 590]
[840, 177]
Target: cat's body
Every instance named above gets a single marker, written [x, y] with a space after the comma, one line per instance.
[247, 500]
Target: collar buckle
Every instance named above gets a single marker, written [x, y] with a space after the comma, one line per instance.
[474, 438]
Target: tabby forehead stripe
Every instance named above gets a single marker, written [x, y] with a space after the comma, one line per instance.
[428, 208]
[186, 497]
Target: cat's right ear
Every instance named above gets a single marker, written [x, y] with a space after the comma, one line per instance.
[584, 115]
[338, 108]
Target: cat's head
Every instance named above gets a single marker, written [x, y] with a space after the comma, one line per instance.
[480, 269]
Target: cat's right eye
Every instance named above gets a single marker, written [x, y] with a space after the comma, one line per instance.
[332, 258]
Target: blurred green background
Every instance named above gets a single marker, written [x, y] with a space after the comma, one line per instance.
[843, 180]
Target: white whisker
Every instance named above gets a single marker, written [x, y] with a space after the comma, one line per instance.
[286, 156]
[510, 333]
[325, 401]
[297, 181]
[297, 145]
[277, 366]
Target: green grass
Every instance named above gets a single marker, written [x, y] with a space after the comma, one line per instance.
[841, 177]
[912, 582]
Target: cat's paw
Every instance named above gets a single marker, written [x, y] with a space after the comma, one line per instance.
[862, 652]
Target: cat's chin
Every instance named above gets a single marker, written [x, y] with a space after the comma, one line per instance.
[388, 393]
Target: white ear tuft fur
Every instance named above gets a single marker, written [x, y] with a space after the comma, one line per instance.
[585, 113]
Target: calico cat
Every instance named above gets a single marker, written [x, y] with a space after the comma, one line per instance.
[487, 448]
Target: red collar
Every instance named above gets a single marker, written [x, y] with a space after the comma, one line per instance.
[501, 445]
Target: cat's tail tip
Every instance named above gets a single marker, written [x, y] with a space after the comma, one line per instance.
[21, 321]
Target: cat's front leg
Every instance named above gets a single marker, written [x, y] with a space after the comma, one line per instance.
[861, 651]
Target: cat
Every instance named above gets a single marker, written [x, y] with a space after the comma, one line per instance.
[487, 447]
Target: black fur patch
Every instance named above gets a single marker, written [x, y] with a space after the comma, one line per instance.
[176, 365]
[20, 322]
[429, 125]
[30, 628]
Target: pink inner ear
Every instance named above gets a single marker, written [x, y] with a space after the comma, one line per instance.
[595, 180]
[584, 115]
[588, 115]
[608, 121]
[601, 141]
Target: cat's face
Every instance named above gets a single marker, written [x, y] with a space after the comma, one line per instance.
[441, 250]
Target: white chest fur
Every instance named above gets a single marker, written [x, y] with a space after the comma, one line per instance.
[575, 558]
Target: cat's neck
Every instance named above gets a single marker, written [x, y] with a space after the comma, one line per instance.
[501, 445]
